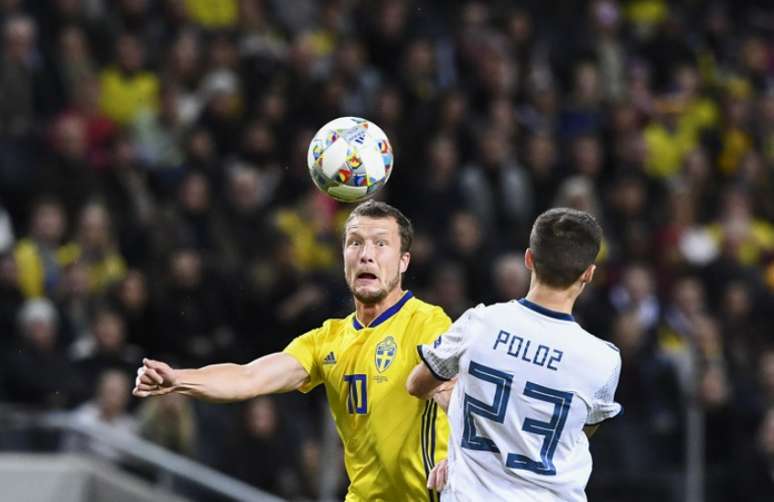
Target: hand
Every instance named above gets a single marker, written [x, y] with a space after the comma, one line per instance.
[154, 378]
[437, 478]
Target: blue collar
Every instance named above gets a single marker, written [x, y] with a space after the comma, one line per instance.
[546, 312]
[384, 315]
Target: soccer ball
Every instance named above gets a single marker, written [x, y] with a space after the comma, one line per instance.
[350, 159]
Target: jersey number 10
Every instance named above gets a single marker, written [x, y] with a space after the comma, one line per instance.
[357, 397]
[496, 412]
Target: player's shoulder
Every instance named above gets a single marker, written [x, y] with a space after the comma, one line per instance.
[333, 327]
[492, 310]
[424, 311]
[602, 347]
[496, 307]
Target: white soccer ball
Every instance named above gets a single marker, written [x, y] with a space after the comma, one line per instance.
[350, 159]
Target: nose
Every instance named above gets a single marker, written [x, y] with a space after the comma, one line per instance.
[367, 253]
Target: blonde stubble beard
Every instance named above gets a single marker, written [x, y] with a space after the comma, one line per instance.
[377, 296]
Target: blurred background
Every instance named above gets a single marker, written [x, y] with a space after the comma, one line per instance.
[155, 201]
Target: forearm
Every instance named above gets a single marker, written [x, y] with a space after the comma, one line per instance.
[221, 383]
[421, 382]
[234, 382]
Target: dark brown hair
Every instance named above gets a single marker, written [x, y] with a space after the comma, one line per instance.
[564, 242]
[376, 209]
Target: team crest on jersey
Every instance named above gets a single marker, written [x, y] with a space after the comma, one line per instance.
[385, 353]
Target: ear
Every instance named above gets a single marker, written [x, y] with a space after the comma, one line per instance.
[529, 259]
[405, 258]
[588, 274]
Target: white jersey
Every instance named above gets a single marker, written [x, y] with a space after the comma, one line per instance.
[529, 380]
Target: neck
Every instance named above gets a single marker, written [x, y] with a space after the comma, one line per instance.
[366, 313]
[559, 300]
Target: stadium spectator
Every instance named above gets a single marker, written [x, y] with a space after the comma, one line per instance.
[127, 88]
[262, 429]
[66, 172]
[75, 303]
[105, 349]
[40, 255]
[192, 314]
[509, 277]
[95, 248]
[99, 129]
[169, 422]
[449, 289]
[158, 134]
[22, 79]
[74, 63]
[132, 299]
[36, 371]
[108, 409]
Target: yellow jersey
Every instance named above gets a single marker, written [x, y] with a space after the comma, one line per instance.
[391, 439]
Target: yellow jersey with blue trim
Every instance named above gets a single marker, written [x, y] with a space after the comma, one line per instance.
[391, 439]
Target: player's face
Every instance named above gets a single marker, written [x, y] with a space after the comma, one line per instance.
[373, 262]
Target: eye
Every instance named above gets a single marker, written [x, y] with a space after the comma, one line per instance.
[381, 243]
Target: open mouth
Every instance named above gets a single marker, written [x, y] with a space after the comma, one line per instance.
[367, 276]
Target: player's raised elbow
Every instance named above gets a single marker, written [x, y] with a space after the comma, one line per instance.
[415, 384]
[411, 386]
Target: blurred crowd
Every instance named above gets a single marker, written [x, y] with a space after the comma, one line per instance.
[155, 201]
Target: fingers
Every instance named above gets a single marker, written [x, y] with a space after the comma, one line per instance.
[437, 478]
[143, 378]
[162, 369]
[150, 380]
[443, 476]
[155, 365]
[155, 370]
[140, 393]
[147, 391]
[143, 384]
[143, 389]
[431, 479]
[149, 376]
[154, 376]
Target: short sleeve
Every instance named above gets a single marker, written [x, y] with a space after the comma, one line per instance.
[304, 349]
[603, 406]
[442, 356]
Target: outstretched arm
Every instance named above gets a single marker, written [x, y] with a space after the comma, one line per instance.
[226, 382]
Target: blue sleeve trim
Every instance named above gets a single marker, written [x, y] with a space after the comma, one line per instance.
[432, 371]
